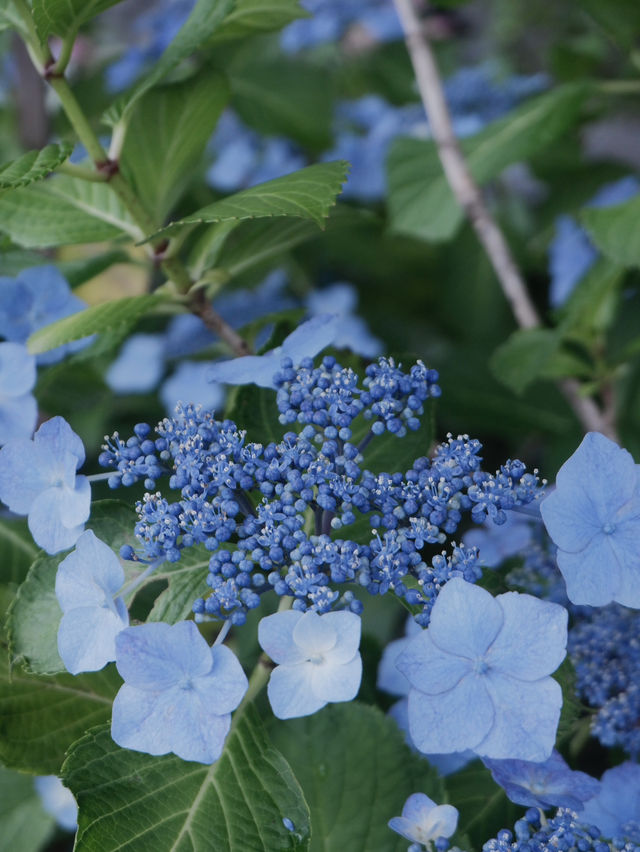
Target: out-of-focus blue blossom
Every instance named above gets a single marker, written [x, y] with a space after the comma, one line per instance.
[38, 479]
[607, 678]
[18, 407]
[616, 808]
[423, 821]
[497, 543]
[330, 20]
[139, 366]
[593, 516]
[571, 252]
[39, 296]
[86, 584]
[57, 800]
[480, 674]
[549, 784]
[191, 381]
[178, 693]
[317, 660]
[352, 332]
[307, 340]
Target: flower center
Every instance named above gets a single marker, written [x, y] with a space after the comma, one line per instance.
[608, 528]
[481, 666]
[317, 659]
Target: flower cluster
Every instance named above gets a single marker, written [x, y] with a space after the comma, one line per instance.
[274, 516]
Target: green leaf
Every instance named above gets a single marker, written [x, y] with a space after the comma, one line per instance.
[62, 211]
[255, 410]
[98, 319]
[127, 798]
[421, 203]
[11, 19]
[524, 357]
[169, 130]
[259, 240]
[251, 17]
[592, 305]
[33, 166]
[41, 716]
[615, 230]
[24, 825]
[35, 614]
[620, 19]
[202, 23]
[356, 773]
[306, 194]
[64, 17]
[187, 581]
[18, 550]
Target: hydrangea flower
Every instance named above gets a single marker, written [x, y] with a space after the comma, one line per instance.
[550, 784]
[306, 341]
[139, 366]
[86, 582]
[616, 808]
[18, 407]
[352, 331]
[593, 516]
[191, 381]
[57, 800]
[178, 692]
[497, 542]
[423, 821]
[317, 657]
[39, 296]
[480, 674]
[38, 479]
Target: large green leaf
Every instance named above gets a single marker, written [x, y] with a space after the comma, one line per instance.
[306, 194]
[63, 17]
[616, 230]
[169, 130]
[11, 19]
[33, 166]
[24, 825]
[524, 356]
[421, 203]
[250, 17]
[98, 319]
[202, 23]
[130, 800]
[41, 716]
[620, 19]
[356, 773]
[35, 614]
[64, 210]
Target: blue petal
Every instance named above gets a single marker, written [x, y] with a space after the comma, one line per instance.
[21, 475]
[465, 619]
[88, 575]
[617, 802]
[337, 682]
[191, 382]
[390, 678]
[57, 515]
[290, 692]
[311, 337]
[139, 366]
[18, 417]
[86, 638]
[588, 581]
[275, 635]
[252, 369]
[56, 437]
[347, 626]
[430, 669]
[223, 688]
[139, 721]
[17, 370]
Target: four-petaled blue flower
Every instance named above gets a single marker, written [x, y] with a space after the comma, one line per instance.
[317, 656]
[423, 821]
[18, 407]
[480, 674]
[616, 808]
[306, 341]
[38, 479]
[178, 692]
[593, 516]
[86, 583]
[550, 784]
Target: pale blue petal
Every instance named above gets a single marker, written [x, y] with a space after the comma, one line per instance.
[56, 437]
[17, 370]
[348, 627]
[275, 635]
[339, 682]
[47, 524]
[418, 807]
[404, 827]
[451, 721]
[223, 688]
[191, 382]
[430, 669]
[139, 721]
[139, 366]
[86, 638]
[57, 800]
[196, 732]
[465, 619]
[533, 639]
[390, 678]
[251, 369]
[18, 417]
[21, 476]
[571, 517]
[311, 337]
[290, 692]
[340, 298]
[526, 718]
[618, 800]
[88, 575]
[591, 576]
[314, 634]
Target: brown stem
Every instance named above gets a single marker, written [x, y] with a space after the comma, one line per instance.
[212, 319]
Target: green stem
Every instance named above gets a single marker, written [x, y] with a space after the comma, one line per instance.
[81, 172]
[79, 121]
[65, 54]
[619, 87]
[39, 54]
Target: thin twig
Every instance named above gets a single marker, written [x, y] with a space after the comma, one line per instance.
[469, 196]
[212, 319]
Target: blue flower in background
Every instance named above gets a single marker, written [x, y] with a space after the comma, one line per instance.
[616, 808]
[306, 341]
[191, 382]
[317, 657]
[139, 366]
[178, 693]
[571, 252]
[57, 800]
[497, 542]
[330, 20]
[39, 296]
[86, 584]
[18, 407]
[593, 516]
[549, 784]
[352, 331]
[480, 674]
[38, 479]
[423, 821]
